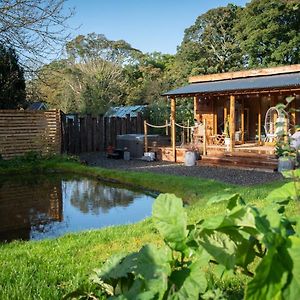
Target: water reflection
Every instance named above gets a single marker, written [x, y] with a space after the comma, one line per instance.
[41, 207]
[90, 197]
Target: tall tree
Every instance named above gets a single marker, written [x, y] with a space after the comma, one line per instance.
[91, 78]
[210, 46]
[269, 32]
[34, 28]
[12, 82]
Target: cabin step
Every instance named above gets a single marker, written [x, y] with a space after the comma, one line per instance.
[240, 153]
[213, 150]
[268, 163]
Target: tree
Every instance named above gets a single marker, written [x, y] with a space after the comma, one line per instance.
[269, 32]
[210, 46]
[90, 79]
[12, 82]
[145, 80]
[34, 28]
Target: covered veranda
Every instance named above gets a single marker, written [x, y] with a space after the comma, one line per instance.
[240, 99]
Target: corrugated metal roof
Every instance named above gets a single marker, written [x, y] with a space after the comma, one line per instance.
[122, 111]
[241, 84]
[37, 106]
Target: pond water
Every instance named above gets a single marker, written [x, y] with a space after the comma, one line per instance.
[46, 207]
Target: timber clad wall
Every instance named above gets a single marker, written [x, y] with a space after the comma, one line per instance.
[24, 131]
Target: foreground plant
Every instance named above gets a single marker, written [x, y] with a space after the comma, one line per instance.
[194, 258]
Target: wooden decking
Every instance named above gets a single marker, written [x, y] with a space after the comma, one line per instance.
[249, 156]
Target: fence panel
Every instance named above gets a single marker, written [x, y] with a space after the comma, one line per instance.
[24, 131]
[87, 133]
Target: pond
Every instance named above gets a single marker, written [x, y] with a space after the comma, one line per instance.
[39, 207]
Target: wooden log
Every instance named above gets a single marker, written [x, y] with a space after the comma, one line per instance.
[112, 133]
[215, 117]
[204, 138]
[145, 136]
[128, 123]
[173, 127]
[167, 128]
[139, 123]
[259, 123]
[225, 114]
[243, 121]
[100, 134]
[173, 139]
[89, 132]
[196, 107]
[173, 108]
[106, 132]
[188, 132]
[76, 134]
[94, 134]
[232, 123]
[123, 126]
[83, 136]
[245, 74]
[71, 136]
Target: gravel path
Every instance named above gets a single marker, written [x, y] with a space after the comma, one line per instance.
[228, 175]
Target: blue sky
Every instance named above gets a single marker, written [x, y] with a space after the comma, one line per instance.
[149, 25]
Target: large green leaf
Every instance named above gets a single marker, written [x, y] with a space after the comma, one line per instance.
[219, 246]
[284, 192]
[270, 277]
[153, 265]
[170, 219]
[111, 268]
[292, 291]
[194, 283]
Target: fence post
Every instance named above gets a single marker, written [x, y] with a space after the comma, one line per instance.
[188, 132]
[204, 139]
[173, 138]
[82, 131]
[76, 134]
[139, 123]
[100, 134]
[63, 132]
[71, 136]
[146, 136]
[167, 128]
[128, 129]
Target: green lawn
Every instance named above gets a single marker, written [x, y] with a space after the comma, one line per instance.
[51, 268]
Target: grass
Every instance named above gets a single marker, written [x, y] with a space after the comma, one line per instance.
[51, 268]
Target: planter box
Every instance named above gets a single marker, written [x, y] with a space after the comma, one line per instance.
[285, 164]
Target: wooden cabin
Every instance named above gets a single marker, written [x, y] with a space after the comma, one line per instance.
[243, 98]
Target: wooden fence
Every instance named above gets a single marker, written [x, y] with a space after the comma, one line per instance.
[88, 134]
[24, 131]
[54, 132]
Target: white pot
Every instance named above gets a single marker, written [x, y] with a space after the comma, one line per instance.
[286, 163]
[189, 158]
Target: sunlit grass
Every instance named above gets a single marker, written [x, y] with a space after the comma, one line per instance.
[51, 268]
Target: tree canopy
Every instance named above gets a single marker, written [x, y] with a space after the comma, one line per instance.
[12, 82]
[34, 28]
[97, 73]
[269, 32]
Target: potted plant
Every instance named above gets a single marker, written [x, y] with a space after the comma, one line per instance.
[286, 155]
[227, 134]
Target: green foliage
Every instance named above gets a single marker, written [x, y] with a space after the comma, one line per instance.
[210, 46]
[99, 73]
[232, 242]
[283, 140]
[12, 82]
[268, 32]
